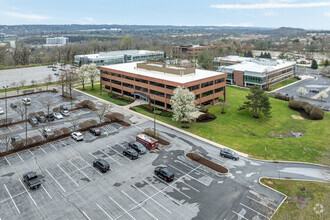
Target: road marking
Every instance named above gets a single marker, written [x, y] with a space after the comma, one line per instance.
[171, 186]
[53, 146]
[201, 172]
[104, 211]
[138, 204]
[28, 193]
[122, 209]
[11, 198]
[160, 191]
[239, 215]
[30, 152]
[261, 203]
[80, 170]
[151, 199]
[254, 210]
[43, 150]
[55, 180]
[91, 166]
[7, 161]
[67, 175]
[63, 143]
[188, 175]
[46, 191]
[120, 154]
[110, 157]
[20, 157]
[84, 215]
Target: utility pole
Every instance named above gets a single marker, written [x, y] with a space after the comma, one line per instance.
[154, 116]
[6, 87]
[25, 125]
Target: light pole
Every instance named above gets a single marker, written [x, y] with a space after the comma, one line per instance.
[154, 116]
[25, 124]
[6, 87]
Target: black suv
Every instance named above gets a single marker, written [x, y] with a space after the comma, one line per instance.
[41, 119]
[50, 117]
[32, 180]
[131, 153]
[138, 147]
[33, 121]
[95, 131]
[229, 154]
[164, 173]
[102, 165]
[13, 105]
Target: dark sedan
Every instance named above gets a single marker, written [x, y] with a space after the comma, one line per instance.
[41, 119]
[50, 117]
[164, 173]
[131, 153]
[95, 131]
[102, 165]
[229, 154]
[138, 147]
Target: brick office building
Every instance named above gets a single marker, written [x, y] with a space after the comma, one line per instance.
[190, 51]
[151, 81]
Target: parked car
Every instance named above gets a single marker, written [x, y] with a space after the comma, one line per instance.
[2, 111]
[164, 173]
[15, 139]
[13, 105]
[33, 121]
[47, 132]
[64, 107]
[77, 136]
[58, 115]
[138, 147]
[95, 131]
[32, 180]
[26, 101]
[229, 154]
[41, 119]
[131, 153]
[49, 66]
[65, 113]
[314, 91]
[56, 74]
[54, 69]
[102, 165]
[50, 117]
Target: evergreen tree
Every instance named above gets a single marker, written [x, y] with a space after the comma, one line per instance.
[262, 55]
[258, 102]
[326, 62]
[314, 65]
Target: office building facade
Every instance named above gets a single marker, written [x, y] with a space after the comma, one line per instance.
[57, 40]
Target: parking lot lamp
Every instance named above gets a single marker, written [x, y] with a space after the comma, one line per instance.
[154, 116]
[6, 87]
[25, 125]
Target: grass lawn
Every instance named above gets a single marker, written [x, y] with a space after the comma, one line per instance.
[240, 131]
[28, 87]
[283, 83]
[96, 92]
[300, 204]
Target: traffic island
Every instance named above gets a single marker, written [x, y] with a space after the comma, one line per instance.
[207, 163]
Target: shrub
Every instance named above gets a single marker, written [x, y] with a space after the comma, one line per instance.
[87, 124]
[40, 113]
[316, 113]
[158, 112]
[65, 130]
[308, 108]
[32, 115]
[18, 144]
[57, 109]
[149, 107]
[196, 156]
[56, 133]
[167, 114]
[3, 121]
[114, 116]
[150, 132]
[87, 104]
[205, 116]
[204, 109]
[282, 97]
[28, 91]
[295, 104]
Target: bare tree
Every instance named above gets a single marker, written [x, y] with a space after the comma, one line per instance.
[16, 86]
[6, 139]
[102, 111]
[75, 120]
[20, 109]
[48, 80]
[62, 81]
[34, 83]
[22, 82]
[47, 103]
[71, 79]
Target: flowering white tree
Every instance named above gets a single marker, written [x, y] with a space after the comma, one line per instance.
[88, 71]
[323, 95]
[183, 105]
[302, 91]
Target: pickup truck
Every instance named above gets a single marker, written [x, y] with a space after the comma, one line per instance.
[32, 180]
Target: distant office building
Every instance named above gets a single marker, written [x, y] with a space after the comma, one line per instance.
[154, 81]
[245, 72]
[57, 40]
[115, 57]
[189, 51]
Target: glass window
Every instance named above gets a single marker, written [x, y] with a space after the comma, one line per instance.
[115, 74]
[197, 96]
[105, 79]
[128, 85]
[192, 88]
[157, 84]
[127, 77]
[170, 87]
[141, 89]
[218, 89]
[141, 80]
[115, 82]
[157, 93]
[219, 80]
[206, 84]
[207, 93]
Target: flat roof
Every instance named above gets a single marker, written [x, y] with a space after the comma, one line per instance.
[233, 58]
[132, 68]
[118, 53]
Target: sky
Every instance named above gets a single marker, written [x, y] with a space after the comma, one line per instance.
[307, 14]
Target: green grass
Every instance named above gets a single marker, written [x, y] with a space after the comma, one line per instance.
[300, 204]
[283, 83]
[27, 87]
[2, 67]
[240, 131]
[96, 92]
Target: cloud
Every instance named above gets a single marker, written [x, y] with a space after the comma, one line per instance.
[270, 5]
[26, 16]
[327, 14]
[88, 19]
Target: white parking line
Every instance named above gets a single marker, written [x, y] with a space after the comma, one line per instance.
[120, 154]
[80, 169]
[53, 146]
[11, 198]
[67, 175]
[43, 150]
[254, 210]
[7, 161]
[20, 157]
[104, 211]
[122, 209]
[188, 175]
[201, 172]
[28, 193]
[30, 152]
[111, 157]
[63, 143]
[91, 166]
[151, 199]
[139, 205]
[261, 203]
[46, 192]
[239, 215]
[84, 215]
[55, 180]
[171, 186]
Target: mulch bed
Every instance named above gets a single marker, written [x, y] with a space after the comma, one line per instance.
[304, 114]
[14, 123]
[160, 140]
[31, 93]
[208, 163]
[207, 120]
[34, 145]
